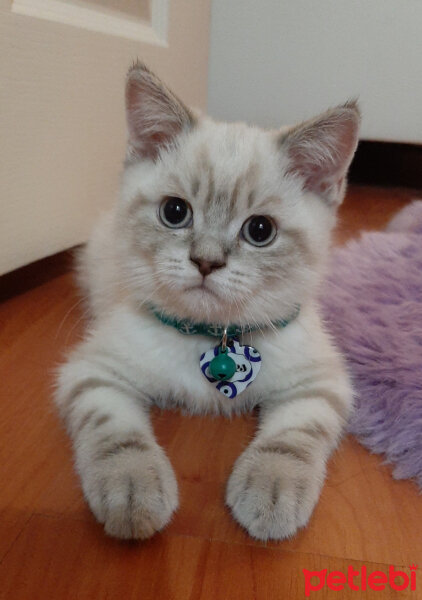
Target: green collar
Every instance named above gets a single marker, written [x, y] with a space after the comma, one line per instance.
[188, 327]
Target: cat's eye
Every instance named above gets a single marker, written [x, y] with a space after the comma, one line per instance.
[259, 230]
[175, 212]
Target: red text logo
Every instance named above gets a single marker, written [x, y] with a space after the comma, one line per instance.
[360, 580]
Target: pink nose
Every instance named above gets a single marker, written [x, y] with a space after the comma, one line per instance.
[205, 267]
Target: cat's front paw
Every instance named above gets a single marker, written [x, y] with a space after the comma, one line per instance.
[131, 488]
[272, 493]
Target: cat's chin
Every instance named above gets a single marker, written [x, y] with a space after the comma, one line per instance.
[202, 291]
[199, 303]
[204, 303]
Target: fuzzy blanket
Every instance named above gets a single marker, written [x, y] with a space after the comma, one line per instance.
[373, 306]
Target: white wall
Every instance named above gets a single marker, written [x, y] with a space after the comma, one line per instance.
[275, 62]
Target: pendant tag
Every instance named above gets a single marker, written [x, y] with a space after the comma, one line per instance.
[233, 367]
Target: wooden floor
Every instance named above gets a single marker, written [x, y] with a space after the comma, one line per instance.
[51, 547]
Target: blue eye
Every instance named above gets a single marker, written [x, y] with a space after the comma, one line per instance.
[259, 230]
[175, 212]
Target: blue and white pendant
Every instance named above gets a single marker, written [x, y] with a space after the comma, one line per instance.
[231, 370]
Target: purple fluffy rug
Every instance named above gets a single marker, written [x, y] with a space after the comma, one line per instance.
[373, 306]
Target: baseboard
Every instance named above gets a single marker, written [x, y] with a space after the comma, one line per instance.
[35, 274]
[387, 164]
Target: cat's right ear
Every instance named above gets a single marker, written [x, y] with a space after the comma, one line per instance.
[155, 116]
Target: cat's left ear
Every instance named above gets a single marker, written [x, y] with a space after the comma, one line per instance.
[155, 115]
[320, 151]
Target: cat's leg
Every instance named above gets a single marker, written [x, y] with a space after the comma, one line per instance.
[276, 482]
[126, 477]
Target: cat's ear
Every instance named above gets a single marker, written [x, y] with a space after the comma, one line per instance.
[155, 116]
[320, 151]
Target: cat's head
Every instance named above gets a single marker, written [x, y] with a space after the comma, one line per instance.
[225, 222]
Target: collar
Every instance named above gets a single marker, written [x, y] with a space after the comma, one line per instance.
[188, 327]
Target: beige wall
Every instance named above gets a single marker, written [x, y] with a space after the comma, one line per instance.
[62, 125]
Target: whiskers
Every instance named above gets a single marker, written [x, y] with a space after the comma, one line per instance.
[240, 297]
[174, 261]
[154, 282]
[83, 316]
[252, 310]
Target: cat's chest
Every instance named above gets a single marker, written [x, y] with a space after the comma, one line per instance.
[171, 367]
[181, 365]
[167, 365]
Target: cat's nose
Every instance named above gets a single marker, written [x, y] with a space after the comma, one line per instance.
[205, 267]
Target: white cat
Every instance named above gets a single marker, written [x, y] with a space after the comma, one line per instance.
[216, 224]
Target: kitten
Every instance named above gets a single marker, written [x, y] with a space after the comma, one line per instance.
[217, 223]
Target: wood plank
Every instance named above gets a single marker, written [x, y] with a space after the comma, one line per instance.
[76, 561]
[369, 208]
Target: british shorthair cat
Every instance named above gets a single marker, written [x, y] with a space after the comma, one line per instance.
[202, 286]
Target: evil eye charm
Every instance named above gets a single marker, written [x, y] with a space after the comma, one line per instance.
[233, 370]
